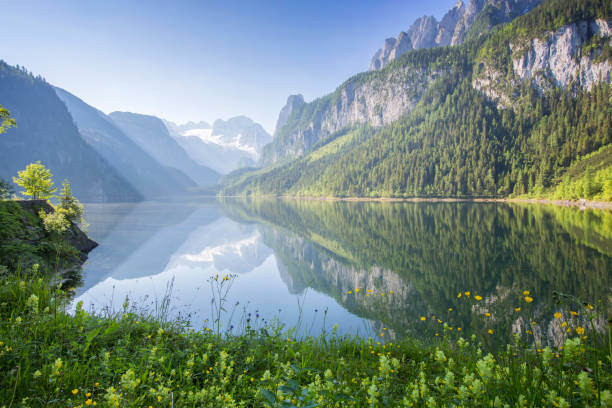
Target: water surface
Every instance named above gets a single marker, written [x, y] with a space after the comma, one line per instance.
[366, 268]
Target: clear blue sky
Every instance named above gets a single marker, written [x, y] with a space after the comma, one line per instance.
[201, 60]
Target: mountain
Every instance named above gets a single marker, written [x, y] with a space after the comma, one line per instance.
[457, 24]
[152, 136]
[45, 131]
[224, 146]
[510, 111]
[147, 176]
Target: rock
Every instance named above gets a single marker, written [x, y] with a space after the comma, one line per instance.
[427, 32]
[557, 60]
[293, 102]
[74, 235]
[554, 59]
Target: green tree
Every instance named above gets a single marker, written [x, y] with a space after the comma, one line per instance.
[6, 190]
[5, 120]
[69, 205]
[37, 181]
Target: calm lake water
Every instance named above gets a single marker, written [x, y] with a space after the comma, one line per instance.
[366, 268]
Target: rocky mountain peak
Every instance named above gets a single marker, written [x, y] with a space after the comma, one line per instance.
[427, 32]
[293, 102]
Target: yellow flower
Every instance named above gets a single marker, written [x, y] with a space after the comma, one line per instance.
[573, 313]
[490, 331]
[382, 294]
[488, 314]
[459, 295]
[88, 402]
[528, 299]
[467, 293]
[580, 330]
[458, 328]
[369, 291]
[423, 318]
[589, 307]
[390, 292]
[75, 391]
[517, 309]
[563, 324]
[356, 290]
[88, 394]
[439, 321]
[450, 309]
[526, 293]
[350, 292]
[478, 297]
[557, 315]
[159, 398]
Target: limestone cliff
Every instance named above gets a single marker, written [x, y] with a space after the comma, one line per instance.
[568, 56]
[375, 99]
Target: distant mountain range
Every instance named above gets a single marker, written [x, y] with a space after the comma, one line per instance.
[121, 156]
[224, 146]
[46, 131]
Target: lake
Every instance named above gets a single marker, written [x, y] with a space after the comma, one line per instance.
[373, 269]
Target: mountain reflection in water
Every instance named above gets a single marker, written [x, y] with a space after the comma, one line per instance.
[373, 268]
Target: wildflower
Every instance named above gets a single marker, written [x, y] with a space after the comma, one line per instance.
[528, 299]
[350, 292]
[580, 330]
[75, 391]
[467, 293]
[88, 402]
[356, 290]
[487, 314]
[423, 318]
[450, 309]
[557, 315]
[459, 295]
[88, 394]
[573, 313]
[517, 309]
[490, 331]
[458, 328]
[390, 292]
[525, 293]
[382, 294]
[589, 306]
[563, 324]
[37, 374]
[478, 297]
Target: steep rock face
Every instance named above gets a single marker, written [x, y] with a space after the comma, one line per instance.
[555, 59]
[453, 29]
[293, 102]
[378, 101]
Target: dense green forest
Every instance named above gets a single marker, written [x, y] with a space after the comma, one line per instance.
[457, 142]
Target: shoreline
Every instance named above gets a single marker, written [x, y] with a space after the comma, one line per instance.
[582, 204]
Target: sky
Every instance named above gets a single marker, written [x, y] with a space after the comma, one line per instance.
[201, 60]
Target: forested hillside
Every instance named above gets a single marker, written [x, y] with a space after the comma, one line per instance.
[45, 131]
[499, 116]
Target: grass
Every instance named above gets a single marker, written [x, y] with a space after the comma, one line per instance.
[52, 358]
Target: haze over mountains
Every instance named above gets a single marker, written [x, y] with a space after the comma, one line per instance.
[122, 156]
[224, 146]
[500, 97]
